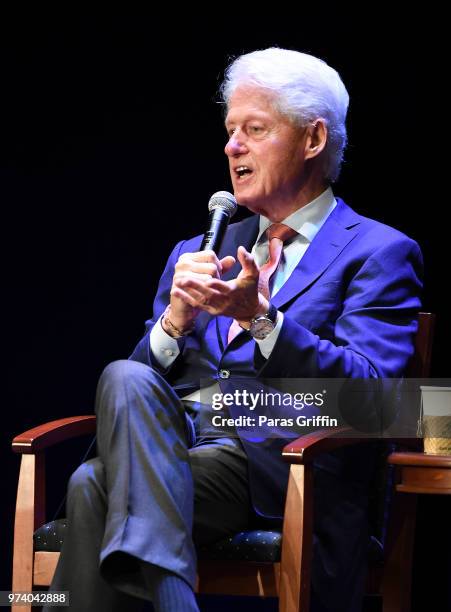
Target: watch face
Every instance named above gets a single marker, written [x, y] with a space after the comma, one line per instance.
[261, 328]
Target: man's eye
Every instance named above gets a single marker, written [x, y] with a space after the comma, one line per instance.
[255, 129]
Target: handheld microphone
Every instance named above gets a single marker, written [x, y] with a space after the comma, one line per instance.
[222, 207]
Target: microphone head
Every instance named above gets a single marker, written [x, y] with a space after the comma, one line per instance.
[224, 200]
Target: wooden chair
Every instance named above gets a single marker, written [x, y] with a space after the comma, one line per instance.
[271, 563]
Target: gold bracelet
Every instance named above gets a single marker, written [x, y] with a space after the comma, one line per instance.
[171, 325]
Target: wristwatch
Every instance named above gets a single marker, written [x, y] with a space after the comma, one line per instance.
[263, 325]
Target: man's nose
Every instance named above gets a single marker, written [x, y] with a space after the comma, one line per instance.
[235, 145]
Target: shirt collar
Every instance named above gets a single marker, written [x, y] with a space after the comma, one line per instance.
[307, 220]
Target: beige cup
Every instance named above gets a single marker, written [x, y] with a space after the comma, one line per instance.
[436, 420]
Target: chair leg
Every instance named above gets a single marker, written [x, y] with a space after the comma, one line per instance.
[30, 512]
[294, 589]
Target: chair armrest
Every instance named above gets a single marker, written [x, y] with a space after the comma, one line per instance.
[306, 448]
[43, 436]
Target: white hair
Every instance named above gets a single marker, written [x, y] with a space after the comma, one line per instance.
[305, 88]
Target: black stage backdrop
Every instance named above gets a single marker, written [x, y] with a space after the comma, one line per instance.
[111, 145]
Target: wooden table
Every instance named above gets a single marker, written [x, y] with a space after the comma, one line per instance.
[417, 474]
[421, 473]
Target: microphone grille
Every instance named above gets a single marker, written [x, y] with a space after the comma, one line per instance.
[225, 200]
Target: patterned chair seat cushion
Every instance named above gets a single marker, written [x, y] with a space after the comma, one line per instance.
[256, 545]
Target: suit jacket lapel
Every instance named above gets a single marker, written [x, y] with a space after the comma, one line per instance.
[244, 234]
[339, 229]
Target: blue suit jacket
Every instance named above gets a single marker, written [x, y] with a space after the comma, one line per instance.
[350, 311]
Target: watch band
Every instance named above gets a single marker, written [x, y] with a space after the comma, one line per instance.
[272, 313]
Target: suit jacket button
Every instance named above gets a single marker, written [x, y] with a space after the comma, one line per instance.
[224, 374]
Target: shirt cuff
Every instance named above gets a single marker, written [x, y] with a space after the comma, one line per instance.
[164, 347]
[266, 346]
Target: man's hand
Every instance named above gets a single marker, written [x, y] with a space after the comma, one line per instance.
[201, 267]
[197, 286]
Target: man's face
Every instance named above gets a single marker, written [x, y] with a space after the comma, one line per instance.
[266, 154]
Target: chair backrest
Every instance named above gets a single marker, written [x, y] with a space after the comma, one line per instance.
[420, 364]
[382, 485]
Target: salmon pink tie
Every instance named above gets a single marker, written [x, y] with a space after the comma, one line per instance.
[277, 234]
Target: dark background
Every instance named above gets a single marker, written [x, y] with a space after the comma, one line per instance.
[111, 145]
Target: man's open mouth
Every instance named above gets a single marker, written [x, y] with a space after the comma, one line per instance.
[242, 171]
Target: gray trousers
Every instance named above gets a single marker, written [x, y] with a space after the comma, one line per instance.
[150, 496]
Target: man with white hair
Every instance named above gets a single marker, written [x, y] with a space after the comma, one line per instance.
[305, 288]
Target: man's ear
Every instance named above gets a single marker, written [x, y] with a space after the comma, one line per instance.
[316, 138]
